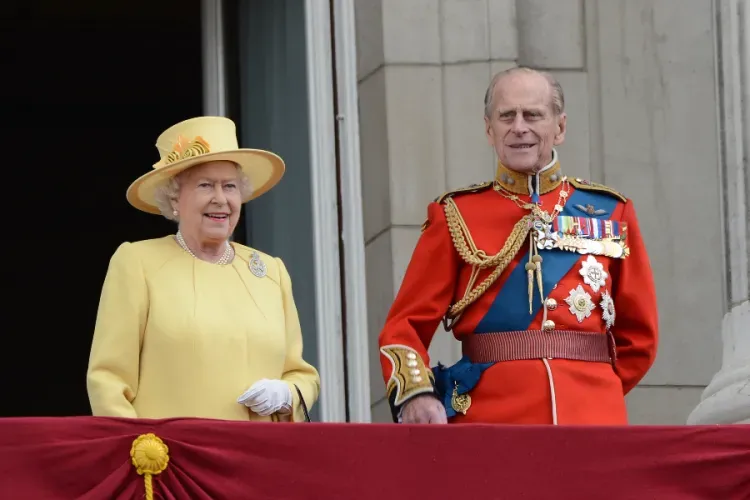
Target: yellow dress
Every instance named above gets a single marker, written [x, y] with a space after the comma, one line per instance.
[177, 336]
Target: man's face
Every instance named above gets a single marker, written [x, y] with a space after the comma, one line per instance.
[523, 128]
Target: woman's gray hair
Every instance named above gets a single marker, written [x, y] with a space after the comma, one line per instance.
[169, 191]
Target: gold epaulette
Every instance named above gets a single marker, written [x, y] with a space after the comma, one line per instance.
[474, 188]
[593, 186]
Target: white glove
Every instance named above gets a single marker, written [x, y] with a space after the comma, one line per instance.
[266, 397]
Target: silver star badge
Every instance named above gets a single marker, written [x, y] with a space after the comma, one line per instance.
[593, 273]
[608, 309]
[580, 304]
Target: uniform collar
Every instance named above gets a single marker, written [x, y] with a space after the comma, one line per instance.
[547, 179]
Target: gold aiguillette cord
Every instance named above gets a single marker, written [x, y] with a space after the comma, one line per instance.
[534, 267]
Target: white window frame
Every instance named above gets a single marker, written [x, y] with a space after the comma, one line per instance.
[323, 129]
[358, 366]
[214, 74]
[333, 402]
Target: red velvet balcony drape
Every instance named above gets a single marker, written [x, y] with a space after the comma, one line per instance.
[89, 458]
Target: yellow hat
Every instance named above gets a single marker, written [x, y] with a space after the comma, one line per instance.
[199, 140]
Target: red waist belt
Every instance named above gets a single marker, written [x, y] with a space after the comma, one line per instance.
[537, 344]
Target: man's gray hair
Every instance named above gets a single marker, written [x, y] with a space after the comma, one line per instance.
[558, 98]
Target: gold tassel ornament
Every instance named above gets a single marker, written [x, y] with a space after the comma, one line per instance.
[150, 456]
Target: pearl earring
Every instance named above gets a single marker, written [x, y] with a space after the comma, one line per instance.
[174, 213]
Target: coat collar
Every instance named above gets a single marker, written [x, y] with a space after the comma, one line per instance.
[546, 179]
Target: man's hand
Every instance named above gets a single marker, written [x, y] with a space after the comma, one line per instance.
[424, 409]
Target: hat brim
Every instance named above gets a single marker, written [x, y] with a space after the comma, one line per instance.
[263, 168]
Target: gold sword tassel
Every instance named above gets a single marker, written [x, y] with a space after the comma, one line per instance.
[534, 268]
[537, 259]
[530, 267]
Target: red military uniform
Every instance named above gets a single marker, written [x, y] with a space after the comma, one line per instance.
[582, 347]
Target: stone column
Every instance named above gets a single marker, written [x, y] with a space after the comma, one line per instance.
[423, 68]
[726, 400]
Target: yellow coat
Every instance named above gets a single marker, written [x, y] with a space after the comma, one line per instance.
[177, 336]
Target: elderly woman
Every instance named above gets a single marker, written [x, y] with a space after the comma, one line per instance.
[191, 324]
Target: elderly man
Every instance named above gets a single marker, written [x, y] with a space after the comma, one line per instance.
[527, 271]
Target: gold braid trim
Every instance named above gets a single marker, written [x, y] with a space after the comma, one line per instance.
[585, 185]
[477, 258]
[474, 188]
[409, 375]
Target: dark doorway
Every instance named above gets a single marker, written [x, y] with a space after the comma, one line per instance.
[87, 87]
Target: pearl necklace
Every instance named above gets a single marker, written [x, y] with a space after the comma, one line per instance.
[223, 260]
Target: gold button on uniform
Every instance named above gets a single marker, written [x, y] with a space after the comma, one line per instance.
[551, 304]
[548, 325]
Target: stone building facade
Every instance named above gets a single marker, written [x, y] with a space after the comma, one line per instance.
[656, 99]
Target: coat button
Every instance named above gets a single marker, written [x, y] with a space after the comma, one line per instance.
[551, 304]
[548, 325]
